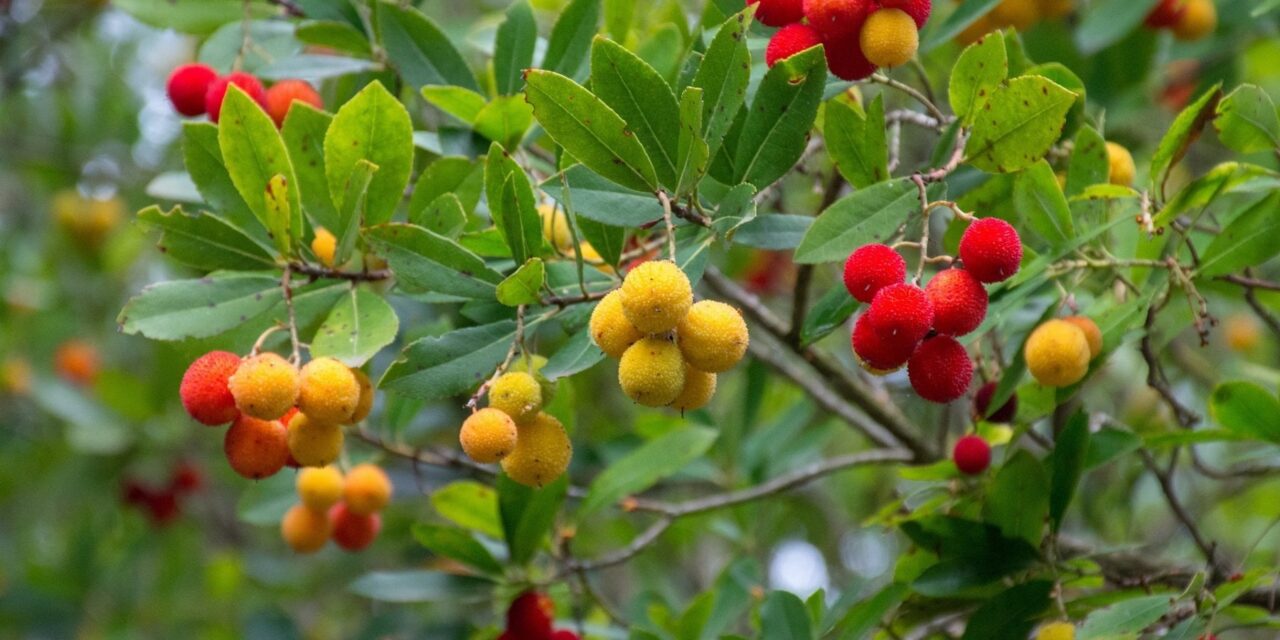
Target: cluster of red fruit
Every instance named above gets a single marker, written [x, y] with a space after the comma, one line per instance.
[907, 325]
[164, 505]
[196, 89]
[858, 35]
[331, 506]
[1187, 19]
[530, 617]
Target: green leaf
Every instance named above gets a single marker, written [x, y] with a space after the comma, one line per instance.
[1185, 129]
[598, 199]
[866, 617]
[828, 314]
[435, 368]
[1247, 120]
[640, 96]
[1068, 464]
[528, 514]
[426, 261]
[783, 617]
[450, 174]
[255, 154]
[570, 40]
[1247, 409]
[334, 34]
[1249, 240]
[576, 355]
[303, 132]
[191, 16]
[461, 103]
[1018, 124]
[360, 325]
[524, 286]
[1218, 181]
[856, 141]
[972, 554]
[1110, 443]
[456, 544]
[981, 68]
[645, 466]
[280, 213]
[512, 204]
[868, 215]
[1011, 614]
[183, 309]
[1130, 616]
[608, 240]
[204, 241]
[513, 48]
[1019, 499]
[723, 77]
[352, 212]
[418, 586]
[1108, 21]
[265, 502]
[203, 159]
[444, 216]
[420, 50]
[776, 232]
[373, 126]
[692, 153]
[317, 67]
[589, 130]
[966, 14]
[1089, 164]
[1038, 197]
[776, 130]
[505, 120]
[470, 505]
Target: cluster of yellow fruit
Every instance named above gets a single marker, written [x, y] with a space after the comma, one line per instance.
[345, 509]
[670, 348]
[532, 445]
[1019, 14]
[1059, 351]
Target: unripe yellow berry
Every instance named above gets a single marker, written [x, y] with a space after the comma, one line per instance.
[314, 443]
[1092, 334]
[555, 228]
[655, 295]
[532, 364]
[1242, 333]
[1057, 354]
[365, 404]
[713, 336]
[1199, 19]
[304, 529]
[542, 452]
[324, 245]
[610, 328]
[265, 386]
[699, 386]
[328, 391]
[1121, 165]
[1019, 14]
[319, 487]
[889, 38]
[366, 490]
[488, 435]
[517, 394]
[651, 372]
[1057, 631]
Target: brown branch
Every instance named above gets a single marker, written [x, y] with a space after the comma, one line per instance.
[1156, 378]
[317, 271]
[290, 7]
[1165, 478]
[689, 215]
[913, 92]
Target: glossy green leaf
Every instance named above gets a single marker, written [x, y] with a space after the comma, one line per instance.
[723, 77]
[182, 309]
[1068, 465]
[966, 14]
[373, 126]
[571, 36]
[459, 102]
[419, 49]
[1247, 120]
[203, 159]
[645, 466]
[776, 130]
[783, 616]
[505, 120]
[1108, 444]
[513, 48]
[438, 367]
[456, 544]
[603, 201]
[868, 215]
[1128, 617]
[528, 514]
[829, 313]
[1249, 240]
[280, 213]
[360, 325]
[255, 154]
[1089, 164]
[608, 240]
[1247, 409]
[204, 241]
[333, 34]
[524, 286]
[470, 505]
[1018, 124]
[190, 16]
[856, 141]
[444, 216]
[981, 68]
[303, 132]
[866, 616]
[1010, 614]
[692, 152]
[1018, 502]
[643, 100]
[426, 261]
[353, 212]
[777, 232]
[576, 355]
[451, 174]
[1038, 197]
[1186, 128]
[512, 205]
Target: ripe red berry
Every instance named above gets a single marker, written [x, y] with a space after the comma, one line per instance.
[218, 91]
[134, 493]
[991, 250]
[778, 13]
[982, 404]
[871, 268]
[972, 455]
[1166, 14]
[204, 390]
[531, 615]
[838, 20]
[940, 370]
[188, 86]
[186, 479]
[959, 302]
[901, 312]
[352, 531]
[790, 40]
[917, 9]
[282, 95]
[845, 59]
[565, 634]
[877, 354]
[163, 507]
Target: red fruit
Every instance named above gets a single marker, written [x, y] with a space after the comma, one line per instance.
[188, 86]
[838, 20]
[256, 448]
[871, 268]
[778, 13]
[972, 455]
[845, 58]
[134, 493]
[352, 531]
[877, 354]
[991, 250]
[1166, 14]
[901, 313]
[565, 634]
[530, 616]
[218, 91]
[204, 390]
[940, 370]
[917, 9]
[281, 96]
[163, 507]
[790, 40]
[186, 479]
[959, 302]
[982, 402]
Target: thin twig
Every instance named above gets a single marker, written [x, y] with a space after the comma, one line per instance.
[671, 225]
[913, 92]
[1165, 478]
[286, 285]
[317, 271]
[474, 401]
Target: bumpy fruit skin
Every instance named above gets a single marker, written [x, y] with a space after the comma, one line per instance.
[991, 250]
[972, 455]
[1166, 14]
[256, 448]
[876, 354]
[918, 9]
[542, 452]
[699, 386]
[959, 302]
[1057, 354]
[837, 19]
[204, 390]
[313, 443]
[845, 58]
[305, 529]
[188, 86]
[488, 435]
[1121, 168]
[324, 245]
[778, 13]
[531, 615]
[1199, 20]
[352, 531]
[651, 372]
[790, 40]
[532, 364]
[940, 370]
[982, 402]
[1057, 631]
[327, 391]
[365, 404]
[366, 489]
[901, 313]
[265, 386]
[218, 92]
[871, 268]
[889, 38]
[281, 95]
[610, 328]
[655, 295]
[1092, 333]
[77, 362]
[517, 394]
[319, 487]
[713, 336]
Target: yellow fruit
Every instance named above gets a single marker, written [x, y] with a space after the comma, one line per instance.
[532, 364]
[1057, 631]
[313, 443]
[713, 336]
[1092, 333]
[1121, 161]
[610, 328]
[328, 391]
[542, 452]
[304, 529]
[1057, 354]
[1019, 14]
[652, 372]
[488, 435]
[265, 386]
[655, 295]
[978, 28]
[319, 487]
[517, 394]
[1243, 335]
[324, 245]
[555, 227]
[1199, 19]
[365, 404]
[889, 38]
[15, 376]
[699, 386]
[367, 489]
[87, 221]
